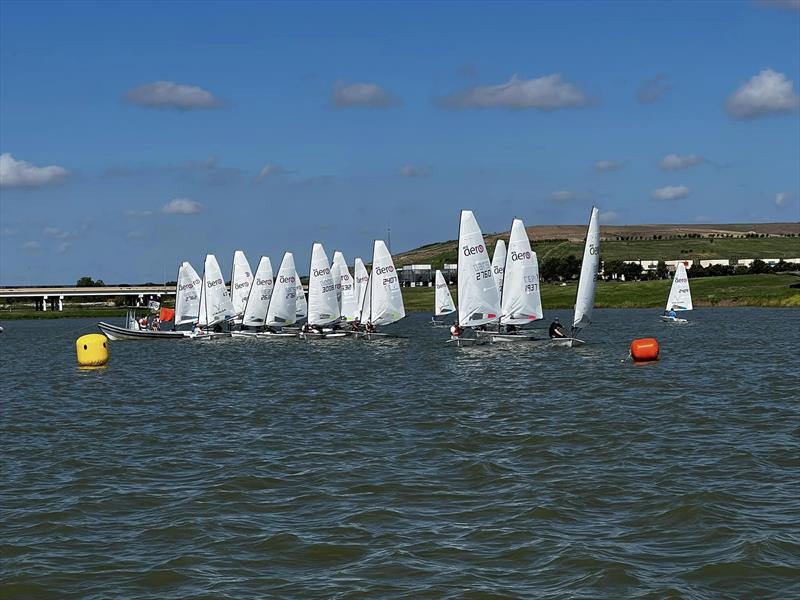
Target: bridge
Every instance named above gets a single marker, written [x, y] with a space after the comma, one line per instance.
[54, 295]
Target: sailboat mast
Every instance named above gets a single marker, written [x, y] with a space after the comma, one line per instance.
[458, 267]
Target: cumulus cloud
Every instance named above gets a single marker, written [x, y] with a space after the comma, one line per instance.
[64, 247]
[181, 206]
[605, 166]
[138, 214]
[546, 93]
[781, 198]
[768, 93]
[414, 171]
[562, 196]
[361, 95]
[652, 90]
[675, 162]
[608, 216]
[270, 170]
[18, 173]
[31, 246]
[670, 192]
[168, 94]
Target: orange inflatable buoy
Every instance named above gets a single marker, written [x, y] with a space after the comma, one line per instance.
[644, 349]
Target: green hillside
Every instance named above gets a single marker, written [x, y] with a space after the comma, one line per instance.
[738, 290]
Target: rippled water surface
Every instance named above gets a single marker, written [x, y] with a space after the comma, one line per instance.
[405, 468]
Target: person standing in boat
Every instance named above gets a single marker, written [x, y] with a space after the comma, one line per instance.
[556, 329]
[455, 330]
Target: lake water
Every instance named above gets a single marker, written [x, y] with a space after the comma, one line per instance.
[405, 468]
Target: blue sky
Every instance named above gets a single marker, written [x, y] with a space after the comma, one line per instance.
[172, 130]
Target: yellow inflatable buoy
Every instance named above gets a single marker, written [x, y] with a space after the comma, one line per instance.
[92, 350]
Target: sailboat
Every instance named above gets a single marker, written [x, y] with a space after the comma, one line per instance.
[584, 301]
[255, 308]
[443, 300]
[346, 293]
[383, 301]
[282, 310]
[520, 299]
[361, 279]
[478, 297]
[187, 307]
[680, 296]
[241, 281]
[323, 308]
[215, 301]
[499, 264]
[301, 306]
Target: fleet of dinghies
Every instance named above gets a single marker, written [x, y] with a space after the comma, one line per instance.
[499, 299]
[264, 305]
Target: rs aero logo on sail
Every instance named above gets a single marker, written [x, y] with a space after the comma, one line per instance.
[244, 284]
[211, 284]
[521, 255]
[470, 250]
[382, 270]
[325, 271]
[284, 279]
[260, 281]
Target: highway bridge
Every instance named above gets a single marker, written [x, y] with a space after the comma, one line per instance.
[52, 298]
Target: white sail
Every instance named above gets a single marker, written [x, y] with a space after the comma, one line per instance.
[241, 281]
[499, 264]
[521, 299]
[680, 296]
[584, 302]
[322, 305]
[283, 305]
[385, 304]
[215, 300]
[255, 310]
[301, 307]
[187, 295]
[478, 298]
[348, 303]
[443, 299]
[336, 275]
[361, 277]
[366, 302]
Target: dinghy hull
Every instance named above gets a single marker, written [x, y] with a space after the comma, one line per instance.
[114, 332]
[566, 342]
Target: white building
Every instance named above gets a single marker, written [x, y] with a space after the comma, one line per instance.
[721, 262]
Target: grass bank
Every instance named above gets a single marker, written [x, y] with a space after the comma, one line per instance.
[736, 290]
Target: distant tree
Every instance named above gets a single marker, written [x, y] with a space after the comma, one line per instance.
[661, 270]
[632, 271]
[99, 283]
[758, 266]
[85, 282]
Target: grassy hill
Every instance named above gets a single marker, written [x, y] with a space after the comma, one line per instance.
[635, 242]
[738, 290]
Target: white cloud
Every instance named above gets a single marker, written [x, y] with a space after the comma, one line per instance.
[8, 231]
[768, 93]
[674, 162]
[135, 235]
[414, 171]
[361, 95]
[64, 247]
[781, 198]
[57, 233]
[608, 216]
[168, 94]
[605, 166]
[181, 206]
[653, 90]
[138, 214]
[270, 170]
[670, 192]
[546, 93]
[31, 246]
[562, 196]
[18, 173]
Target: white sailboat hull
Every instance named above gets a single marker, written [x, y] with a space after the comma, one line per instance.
[566, 342]
[114, 332]
[667, 319]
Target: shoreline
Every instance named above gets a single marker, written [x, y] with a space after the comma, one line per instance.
[754, 291]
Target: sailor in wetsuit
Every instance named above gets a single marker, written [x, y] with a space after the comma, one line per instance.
[556, 329]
